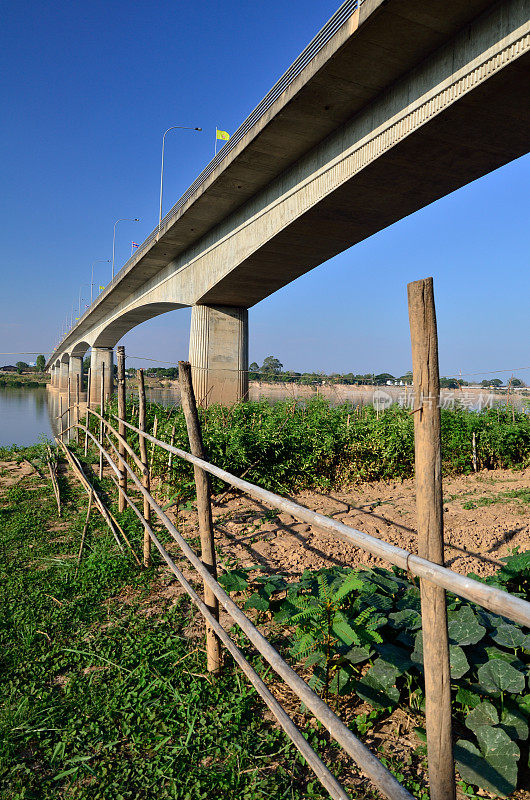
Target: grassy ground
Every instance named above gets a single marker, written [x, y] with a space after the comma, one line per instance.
[99, 699]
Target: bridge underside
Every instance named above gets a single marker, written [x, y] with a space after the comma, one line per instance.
[380, 151]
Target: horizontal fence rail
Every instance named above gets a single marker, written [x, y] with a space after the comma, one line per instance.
[495, 600]
[363, 757]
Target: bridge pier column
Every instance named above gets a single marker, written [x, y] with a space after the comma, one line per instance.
[219, 354]
[63, 376]
[54, 373]
[76, 368]
[101, 356]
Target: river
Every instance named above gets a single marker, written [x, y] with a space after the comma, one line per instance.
[29, 415]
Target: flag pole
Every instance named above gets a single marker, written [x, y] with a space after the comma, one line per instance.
[215, 150]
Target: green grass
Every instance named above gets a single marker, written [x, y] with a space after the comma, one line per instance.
[522, 496]
[99, 700]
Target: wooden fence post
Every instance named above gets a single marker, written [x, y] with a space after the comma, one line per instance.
[68, 409]
[204, 509]
[429, 503]
[122, 430]
[102, 412]
[145, 464]
[61, 423]
[77, 407]
[87, 408]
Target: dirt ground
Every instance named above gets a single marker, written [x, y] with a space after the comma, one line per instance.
[477, 536]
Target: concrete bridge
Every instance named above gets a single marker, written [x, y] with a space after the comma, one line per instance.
[394, 104]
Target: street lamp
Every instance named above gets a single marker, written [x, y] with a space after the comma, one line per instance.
[107, 261]
[173, 127]
[123, 219]
[80, 290]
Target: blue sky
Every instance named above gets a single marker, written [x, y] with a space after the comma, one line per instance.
[87, 91]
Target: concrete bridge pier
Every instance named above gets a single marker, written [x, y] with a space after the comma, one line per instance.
[76, 368]
[101, 356]
[54, 377]
[63, 376]
[219, 354]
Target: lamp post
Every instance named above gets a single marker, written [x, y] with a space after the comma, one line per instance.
[80, 290]
[107, 261]
[173, 127]
[122, 219]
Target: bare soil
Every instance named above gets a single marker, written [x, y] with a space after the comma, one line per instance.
[477, 536]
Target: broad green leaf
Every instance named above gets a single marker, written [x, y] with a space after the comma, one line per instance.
[496, 744]
[396, 656]
[515, 724]
[408, 619]
[375, 694]
[504, 655]
[499, 778]
[463, 627]
[258, 602]
[483, 714]
[467, 698]
[509, 636]
[384, 673]
[340, 681]
[458, 661]
[457, 657]
[356, 655]
[498, 675]
[234, 581]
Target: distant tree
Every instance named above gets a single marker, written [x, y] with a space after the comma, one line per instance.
[449, 383]
[253, 372]
[40, 364]
[86, 364]
[485, 383]
[272, 366]
[517, 382]
[21, 366]
[381, 379]
[496, 382]
[407, 377]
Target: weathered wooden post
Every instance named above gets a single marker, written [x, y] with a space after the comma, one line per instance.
[77, 407]
[61, 423]
[204, 509]
[429, 503]
[122, 430]
[87, 408]
[68, 408]
[102, 412]
[145, 464]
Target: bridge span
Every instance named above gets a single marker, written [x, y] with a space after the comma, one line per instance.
[393, 105]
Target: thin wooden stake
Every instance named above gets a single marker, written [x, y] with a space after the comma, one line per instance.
[120, 358]
[155, 429]
[69, 406]
[87, 420]
[102, 411]
[474, 442]
[77, 407]
[143, 456]
[204, 509]
[429, 498]
[61, 421]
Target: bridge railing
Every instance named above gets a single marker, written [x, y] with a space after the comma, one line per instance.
[306, 56]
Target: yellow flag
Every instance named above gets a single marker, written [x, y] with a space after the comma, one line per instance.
[101, 288]
[222, 135]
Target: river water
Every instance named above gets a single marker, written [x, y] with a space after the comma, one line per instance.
[28, 415]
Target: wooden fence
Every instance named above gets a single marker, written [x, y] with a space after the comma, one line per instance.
[435, 579]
